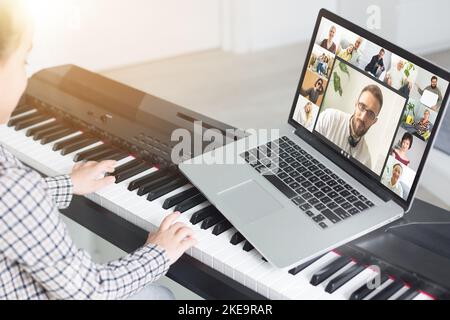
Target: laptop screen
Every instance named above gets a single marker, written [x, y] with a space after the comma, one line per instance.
[372, 105]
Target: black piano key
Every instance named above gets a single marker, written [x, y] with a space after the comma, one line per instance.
[78, 145]
[343, 278]
[190, 203]
[211, 221]
[130, 173]
[128, 165]
[303, 266]
[42, 128]
[330, 269]
[32, 122]
[83, 155]
[221, 227]
[237, 238]
[117, 156]
[389, 291]
[248, 247]
[22, 109]
[166, 189]
[57, 135]
[136, 184]
[62, 144]
[44, 133]
[15, 121]
[202, 214]
[409, 294]
[176, 199]
[365, 290]
[149, 187]
[102, 155]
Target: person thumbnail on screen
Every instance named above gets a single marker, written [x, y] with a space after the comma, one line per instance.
[429, 89]
[402, 75]
[398, 178]
[328, 35]
[350, 48]
[418, 119]
[356, 112]
[313, 87]
[408, 149]
[306, 113]
[321, 62]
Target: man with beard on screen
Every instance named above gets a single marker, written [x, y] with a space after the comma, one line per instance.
[348, 131]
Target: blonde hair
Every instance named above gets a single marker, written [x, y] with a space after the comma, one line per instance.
[12, 25]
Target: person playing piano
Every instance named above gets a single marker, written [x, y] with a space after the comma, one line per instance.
[38, 259]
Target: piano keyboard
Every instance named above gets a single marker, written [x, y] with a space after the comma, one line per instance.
[144, 194]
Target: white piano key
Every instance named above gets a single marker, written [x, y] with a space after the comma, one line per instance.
[335, 296]
[302, 280]
[124, 161]
[423, 297]
[245, 269]
[39, 124]
[240, 257]
[377, 290]
[221, 241]
[399, 293]
[23, 114]
[365, 277]
[251, 280]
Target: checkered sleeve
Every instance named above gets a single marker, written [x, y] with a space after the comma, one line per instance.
[34, 237]
[61, 190]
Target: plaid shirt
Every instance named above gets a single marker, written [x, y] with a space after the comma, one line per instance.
[38, 259]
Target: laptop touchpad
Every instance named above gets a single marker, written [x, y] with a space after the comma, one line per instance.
[249, 202]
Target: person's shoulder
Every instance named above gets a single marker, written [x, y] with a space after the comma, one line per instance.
[330, 118]
[334, 114]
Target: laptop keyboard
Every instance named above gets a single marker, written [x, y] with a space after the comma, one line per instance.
[320, 193]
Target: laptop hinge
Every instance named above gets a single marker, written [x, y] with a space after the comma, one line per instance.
[345, 165]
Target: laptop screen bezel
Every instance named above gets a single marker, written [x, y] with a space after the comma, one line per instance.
[313, 138]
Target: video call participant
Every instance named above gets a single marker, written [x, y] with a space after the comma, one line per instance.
[401, 151]
[306, 116]
[393, 183]
[328, 43]
[348, 131]
[395, 77]
[347, 54]
[357, 54]
[322, 65]
[433, 88]
[315, 92]
[376, 65]
[424, 125]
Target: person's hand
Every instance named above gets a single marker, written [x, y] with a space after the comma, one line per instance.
[173, 237]
[90, 177]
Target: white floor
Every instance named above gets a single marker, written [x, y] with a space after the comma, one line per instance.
[247, 91]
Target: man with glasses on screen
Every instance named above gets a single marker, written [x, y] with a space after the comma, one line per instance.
[348, 131]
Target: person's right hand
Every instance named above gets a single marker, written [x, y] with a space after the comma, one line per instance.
[175, 238]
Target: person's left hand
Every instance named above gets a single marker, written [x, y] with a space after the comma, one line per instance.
[90, 177]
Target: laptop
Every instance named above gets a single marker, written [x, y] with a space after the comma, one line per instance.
[349, 158]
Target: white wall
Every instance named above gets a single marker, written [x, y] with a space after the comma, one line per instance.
[421, 26]
[251, 25]
[101, 34]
